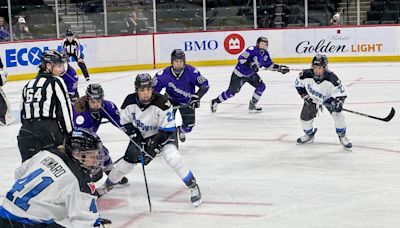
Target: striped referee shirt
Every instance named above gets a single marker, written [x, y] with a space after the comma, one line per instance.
[46, 97]
[72, 48]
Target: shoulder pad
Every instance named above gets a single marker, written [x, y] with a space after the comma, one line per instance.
[333, 78]
[308, 73]
[130, 99]
[161, 101]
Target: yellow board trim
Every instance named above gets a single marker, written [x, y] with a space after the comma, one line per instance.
[332, 59]
[91, 70]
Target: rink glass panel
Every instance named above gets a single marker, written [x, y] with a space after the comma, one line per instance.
[85, 18]
[129, 17]
[179, 16]
[380, 12]
[229, 15]
[280, 13]
[33, 20]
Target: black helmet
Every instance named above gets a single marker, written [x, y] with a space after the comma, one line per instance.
[95, 92]
[178, 54]
[69, 32]
[320, 60]
[143, 81]
[81, 144]
[53, 57]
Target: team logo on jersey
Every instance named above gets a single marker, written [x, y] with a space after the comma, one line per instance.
[201, 79]
[234, 44]
[265, 58]
[92, 187]
[80, 120]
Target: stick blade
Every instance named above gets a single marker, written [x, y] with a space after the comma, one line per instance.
[390, 116]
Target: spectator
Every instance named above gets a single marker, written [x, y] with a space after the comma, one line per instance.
[335, 20]
[21, 29]
[4, 30]
[132, 22]
[264, 21]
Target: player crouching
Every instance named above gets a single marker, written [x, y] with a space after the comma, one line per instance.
[319, 86]
[149, 122]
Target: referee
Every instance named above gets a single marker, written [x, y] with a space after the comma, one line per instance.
[46, 114]
[72, 47]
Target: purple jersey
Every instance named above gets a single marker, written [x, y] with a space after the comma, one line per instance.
[86, 120]
[180, 89]
[71, 80]
[252, 53]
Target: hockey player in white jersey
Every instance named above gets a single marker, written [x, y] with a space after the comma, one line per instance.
[149, 121]
[54, 187]
[320, 86]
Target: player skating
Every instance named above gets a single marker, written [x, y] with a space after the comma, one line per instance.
[320, 86]
[89, 111]
[148, 120]
[249, 63]
[55, 185]
[180, 81]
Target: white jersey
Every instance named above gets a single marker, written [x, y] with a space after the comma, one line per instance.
[51, 187]
[149, 119]
[319, 89]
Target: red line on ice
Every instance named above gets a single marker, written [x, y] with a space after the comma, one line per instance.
[209, 214]
[225, 203]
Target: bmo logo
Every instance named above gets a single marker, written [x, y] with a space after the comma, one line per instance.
[234, 44]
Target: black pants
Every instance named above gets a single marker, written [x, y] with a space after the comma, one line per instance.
[188, 116]
[3, 107]
[81, 65]
[4, 223]
[308, 112]
[36, 135]
[237, 83]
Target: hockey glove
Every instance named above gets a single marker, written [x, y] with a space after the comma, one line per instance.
[133, 133]
[280, 68]
[195, 101]
[254, 67]
[334, 104]
[307, 99]
[104, 223]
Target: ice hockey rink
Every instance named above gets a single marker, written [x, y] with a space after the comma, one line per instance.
[248, 166]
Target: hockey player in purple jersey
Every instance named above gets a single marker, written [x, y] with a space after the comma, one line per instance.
[89, 110]
[249, 62]
[70, 78]
[180, 81]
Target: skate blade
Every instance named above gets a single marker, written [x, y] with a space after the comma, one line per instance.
[309, 142]
[121, 185]
[347, 149]
[255, 111]
[198, 203]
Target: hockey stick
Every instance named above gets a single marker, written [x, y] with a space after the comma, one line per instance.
[386, 119]
[290, 69]
[120, 128]
[174, 108]
[145, 178]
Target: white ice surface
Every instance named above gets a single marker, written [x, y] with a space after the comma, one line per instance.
[249, 168]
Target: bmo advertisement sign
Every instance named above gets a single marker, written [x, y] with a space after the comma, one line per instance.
[205, 46]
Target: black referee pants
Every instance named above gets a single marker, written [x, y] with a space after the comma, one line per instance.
[36, 135]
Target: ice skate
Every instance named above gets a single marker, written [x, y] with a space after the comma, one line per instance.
[307, 138]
